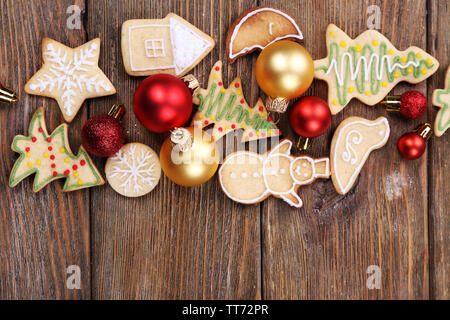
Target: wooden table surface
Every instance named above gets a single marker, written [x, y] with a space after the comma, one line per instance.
[195, 243]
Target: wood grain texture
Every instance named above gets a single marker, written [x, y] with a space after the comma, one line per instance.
[195, 243]
[174, 243]
[40, 234]
[323, 250]
[438, 150]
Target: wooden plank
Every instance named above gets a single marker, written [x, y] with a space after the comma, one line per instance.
[439, 184]
[180, 243]
[323, 250]
[40, 234]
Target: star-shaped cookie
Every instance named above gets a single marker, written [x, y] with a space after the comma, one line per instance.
[368, 67]
[70, 76]
[441, 99]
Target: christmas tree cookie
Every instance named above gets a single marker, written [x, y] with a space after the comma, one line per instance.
[70, 76]
[368, 67]
[50, 158]
[441, 99]
[227, 109]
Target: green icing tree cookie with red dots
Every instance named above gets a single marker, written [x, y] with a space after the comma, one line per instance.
[50, 158]
[227, 109]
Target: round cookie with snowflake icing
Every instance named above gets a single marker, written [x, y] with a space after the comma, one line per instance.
[134, 170]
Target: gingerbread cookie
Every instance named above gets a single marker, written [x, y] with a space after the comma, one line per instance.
[257, 28]
[441, 99]
[134, 170]
[170, 45]
[70, 76]
[354, 139]
[50, 158]
[228, 110]
[248, 177]
[368, 67]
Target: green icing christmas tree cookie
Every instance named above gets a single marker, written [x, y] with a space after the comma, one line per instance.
[368, 67]
[227, 109]
[441, 99]
[50, 158]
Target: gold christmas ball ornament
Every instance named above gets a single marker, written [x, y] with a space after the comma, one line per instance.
[189, 156]
[284, 70]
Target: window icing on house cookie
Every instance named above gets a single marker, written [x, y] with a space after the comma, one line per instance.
[155, 48]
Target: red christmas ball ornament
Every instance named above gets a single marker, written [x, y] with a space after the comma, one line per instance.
[310, 117]
[411, 104]
[103, 135]
[162, 102]
[412, 145]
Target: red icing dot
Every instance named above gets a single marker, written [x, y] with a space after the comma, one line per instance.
[269, 119]
[220, 83]
[277, 131]
[33, 139]
[236, 85]
[52, 157]
[66, 173]
[82, 162]
[53, 166]
[250, 134]
[261, 108]
[55, 173]
[40, 130]
[217, 68]
[263, 134]
[27, 149]
[49, 139]
[50, 148]
[233, 126]
[242, 101]
[74, 167]
[220, 129]
[206, 121]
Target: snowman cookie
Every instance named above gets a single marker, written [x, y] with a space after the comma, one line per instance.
[247, 177]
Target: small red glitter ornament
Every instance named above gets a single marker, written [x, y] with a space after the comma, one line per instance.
[103, 135]
[412, 145]
[411, 105]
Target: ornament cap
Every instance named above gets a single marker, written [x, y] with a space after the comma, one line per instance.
[277, 104]
[392, 103]
[117, 111]
[425, 131]
[7, 95]
[191, 82]
[303, 143]
[181, 139]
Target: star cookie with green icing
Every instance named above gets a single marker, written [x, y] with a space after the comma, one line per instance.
[368, 67]
[441, 99]
[50, 158]
[227, 109]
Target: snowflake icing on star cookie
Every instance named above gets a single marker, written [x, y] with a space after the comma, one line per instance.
[70, 76]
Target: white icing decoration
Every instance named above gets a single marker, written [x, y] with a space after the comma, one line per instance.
[275, 153]
[305, 174]
[298, 170]
[187, 46]
[255, 175]
[233, 175]
[70, 74]
[299, 34]
[379, 66]
[139, 169]
[270, 28]
[304, 165]
[244, 175]
[152, 46]
[350, 154]
[343, 189]
[282, 171]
